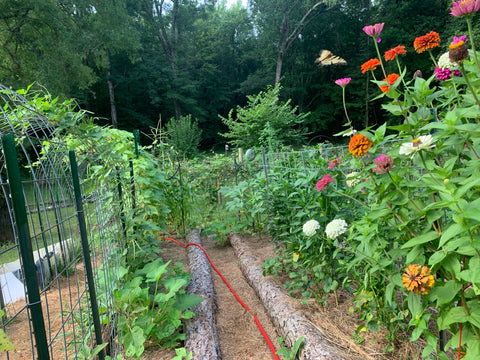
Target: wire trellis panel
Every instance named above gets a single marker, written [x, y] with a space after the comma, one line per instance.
[55, 246]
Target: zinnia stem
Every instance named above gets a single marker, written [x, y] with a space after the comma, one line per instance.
[470, 34]
[380, 58]
[345, 108]
[433, 59]
[464, 74]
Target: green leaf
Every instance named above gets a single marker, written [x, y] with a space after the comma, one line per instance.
[454, 315]
[445, 293]
[133, 342]
[421, 239]
[187, 301]
[473, 351]
[453, 230]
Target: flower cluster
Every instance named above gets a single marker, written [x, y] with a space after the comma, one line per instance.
[391, 78]
[334, 163]
[422, 142]
[445, 68]
[352, 179]
[417, 278]
[359, 145]
[392, 53]
[426, 42]
[326, 179]
[370, 65]
[383, 164]
[464, 7]
[335, 228]
[458, 51]
[343, 82]
[310, 227]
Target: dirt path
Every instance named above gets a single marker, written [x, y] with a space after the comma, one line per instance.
[240, 338]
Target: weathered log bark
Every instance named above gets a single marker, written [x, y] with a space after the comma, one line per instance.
[201, 335]
[282, 309]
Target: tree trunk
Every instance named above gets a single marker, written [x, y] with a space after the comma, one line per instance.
[283, 310]
[201, 336]
[111, 93]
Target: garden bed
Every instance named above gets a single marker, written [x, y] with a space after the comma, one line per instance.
[241, 339]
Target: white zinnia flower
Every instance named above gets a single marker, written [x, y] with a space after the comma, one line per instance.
[445, 63]
[354, 181]
[310, 227]
[335, 228]
[423, 142]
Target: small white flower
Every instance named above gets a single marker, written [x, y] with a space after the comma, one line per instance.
[423, 142]
[445, 63]
[310, 227]
[335, 228]
[352, 182]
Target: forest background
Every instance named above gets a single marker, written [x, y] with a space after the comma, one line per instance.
[134, 62]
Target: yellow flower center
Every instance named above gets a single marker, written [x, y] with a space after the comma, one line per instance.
[457, 45]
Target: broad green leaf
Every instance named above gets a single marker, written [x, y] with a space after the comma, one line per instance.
[421, 239]
[446, 292]
[453, 230]
[454, 315]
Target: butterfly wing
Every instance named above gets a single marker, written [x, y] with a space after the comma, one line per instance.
[327, 58]
[324, 54]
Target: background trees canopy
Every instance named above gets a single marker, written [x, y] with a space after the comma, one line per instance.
[135, 62]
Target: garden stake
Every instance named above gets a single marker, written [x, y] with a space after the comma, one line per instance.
[265, 336]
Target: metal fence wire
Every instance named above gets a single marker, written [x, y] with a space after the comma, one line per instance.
[60, 247]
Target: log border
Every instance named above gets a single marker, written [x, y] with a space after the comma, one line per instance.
[286, 318]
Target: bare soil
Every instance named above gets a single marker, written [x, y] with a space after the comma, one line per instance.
[240, 338]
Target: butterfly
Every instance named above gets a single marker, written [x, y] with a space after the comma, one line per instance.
[327, 58]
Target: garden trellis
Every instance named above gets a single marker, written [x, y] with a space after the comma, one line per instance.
[62, 240]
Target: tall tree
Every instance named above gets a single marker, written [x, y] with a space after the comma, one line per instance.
[284, 20]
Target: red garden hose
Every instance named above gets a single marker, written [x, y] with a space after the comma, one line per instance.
[267, 339]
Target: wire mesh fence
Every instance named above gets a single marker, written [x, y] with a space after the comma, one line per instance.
[57, 276]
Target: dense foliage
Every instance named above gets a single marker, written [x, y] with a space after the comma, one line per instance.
[131, 62]
[395, 220]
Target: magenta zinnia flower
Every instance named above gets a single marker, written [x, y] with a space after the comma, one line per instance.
[384, 163]
[343, 82]
[334, 163]
[374, 30]
[443, 74]
[327, 179]
[465, 7]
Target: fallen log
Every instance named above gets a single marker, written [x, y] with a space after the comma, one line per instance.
[283, 310]
[201, 330]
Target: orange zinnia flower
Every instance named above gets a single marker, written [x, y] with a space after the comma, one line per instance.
[359, 145]
[417, 278]
[426, 42]
[370, 65]
[392, 53]
[391, 78]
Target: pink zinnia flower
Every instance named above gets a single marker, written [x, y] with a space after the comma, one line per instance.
[384, 163]
[334, 163]
[343, 82]
[443, 74]
[374, 31]
[465, 7]
[327, 179]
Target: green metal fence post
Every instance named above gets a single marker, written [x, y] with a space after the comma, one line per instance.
[136, 136]
[86, 251]
[25, 243]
